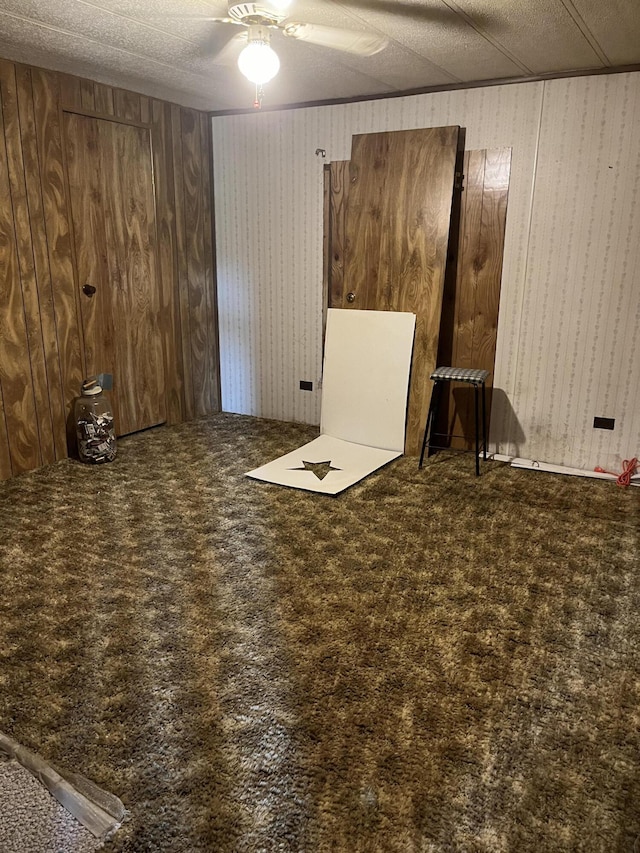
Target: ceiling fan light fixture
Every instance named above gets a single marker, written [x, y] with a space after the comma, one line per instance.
[258, 61]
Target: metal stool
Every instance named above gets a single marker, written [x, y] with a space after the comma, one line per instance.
[477, 378]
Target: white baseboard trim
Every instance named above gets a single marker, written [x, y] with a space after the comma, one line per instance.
[532, 465]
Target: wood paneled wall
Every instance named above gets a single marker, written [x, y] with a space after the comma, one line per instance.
[41, 346]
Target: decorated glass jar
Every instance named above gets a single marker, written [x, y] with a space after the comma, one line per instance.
[94, 424]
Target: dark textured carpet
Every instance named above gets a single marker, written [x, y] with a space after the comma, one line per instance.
[427, 662]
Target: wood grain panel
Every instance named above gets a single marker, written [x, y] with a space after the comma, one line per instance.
[397, 229]
[127, 185]
[182, 273]
[15, 366]
[491, 251]
[42, 346]
[110, 179]
[471, 221]
[168, 260]
[326, 245]
[46, 101]
[26, 262]
[82, 146]
[126, 104]
[193, 214]
[87, 95]
[103, 99]
[339, 183]
[41, 260]
[69, 90]
[484, 207]
[145, 109]
[212, 383]
[5, 456]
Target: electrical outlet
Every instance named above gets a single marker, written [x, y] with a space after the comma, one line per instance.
[305, 385]
[604, 423]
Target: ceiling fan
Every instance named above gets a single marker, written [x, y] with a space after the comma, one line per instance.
[259, 62]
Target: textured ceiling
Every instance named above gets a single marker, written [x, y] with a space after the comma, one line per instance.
[153, 47]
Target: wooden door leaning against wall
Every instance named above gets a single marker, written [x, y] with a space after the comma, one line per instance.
[111, 188]
[387, 217]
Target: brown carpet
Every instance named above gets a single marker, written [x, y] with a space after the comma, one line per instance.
[427, 662]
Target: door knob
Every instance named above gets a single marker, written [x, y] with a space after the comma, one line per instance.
[89, 289]
[351, 297]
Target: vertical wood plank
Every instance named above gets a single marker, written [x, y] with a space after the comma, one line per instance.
[460, 408]
[6, 469]
[182, 271]
[26, 262]
[467, 266]
[366, 237]
[326, 243]
[41, 259]
[339, 177]
[126, 104]
[129, 209]
[69, 91]
[86, 208]
[103, 99]
[145, 112]
[192, 181]
[213, 369]
[445, 338]
[15, 366]
[168, 279]
[5, 456]
[478, 282]
[491, 250]
[46, 100]
[87, 95]
[397, 230]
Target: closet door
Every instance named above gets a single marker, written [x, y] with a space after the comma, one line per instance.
[110, 174]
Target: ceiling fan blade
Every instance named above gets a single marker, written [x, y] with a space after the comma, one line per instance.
[228, 53]
[415, 11]
[198, 19]
[213, 43]
[350, 41]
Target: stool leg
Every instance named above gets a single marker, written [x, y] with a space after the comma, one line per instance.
[428, 423]
[434, 417]
[475, 398]
[484, 425]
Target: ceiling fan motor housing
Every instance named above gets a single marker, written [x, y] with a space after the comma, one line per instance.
[255, 13]
[258, 33]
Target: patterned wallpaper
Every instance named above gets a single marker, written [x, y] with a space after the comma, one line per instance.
[568, 339]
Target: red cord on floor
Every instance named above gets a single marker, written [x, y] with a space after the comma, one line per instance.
[628, 469]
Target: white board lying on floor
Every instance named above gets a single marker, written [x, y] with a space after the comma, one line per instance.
[364, 403]
[326, 464]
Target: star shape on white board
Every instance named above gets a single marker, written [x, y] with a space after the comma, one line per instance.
[320, 469]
